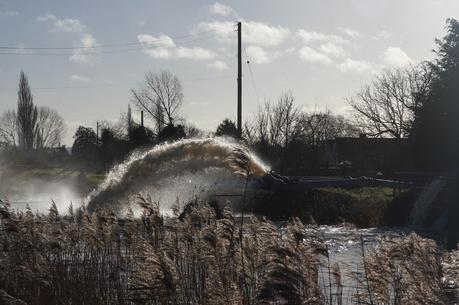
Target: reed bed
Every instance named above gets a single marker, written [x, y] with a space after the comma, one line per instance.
[200, 256]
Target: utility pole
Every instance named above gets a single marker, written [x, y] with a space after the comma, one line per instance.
[97, 131]
[239, 80]
[141, 118]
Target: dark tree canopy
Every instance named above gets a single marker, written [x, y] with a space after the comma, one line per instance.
[27, 114]
[172, 133]
[140, 136]
[85, 146]
[227, 128]
[436, 130]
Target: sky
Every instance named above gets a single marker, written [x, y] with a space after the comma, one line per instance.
[320, 50]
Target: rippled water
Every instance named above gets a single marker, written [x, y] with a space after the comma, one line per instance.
[344, 245]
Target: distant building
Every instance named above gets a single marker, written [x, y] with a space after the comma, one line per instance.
[369, 156]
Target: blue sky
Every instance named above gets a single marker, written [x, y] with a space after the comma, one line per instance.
[321, 50]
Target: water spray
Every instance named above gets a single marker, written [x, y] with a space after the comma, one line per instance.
[147, 169]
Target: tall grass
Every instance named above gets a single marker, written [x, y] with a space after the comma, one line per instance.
[193, 258]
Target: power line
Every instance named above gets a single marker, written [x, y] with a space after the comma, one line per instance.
[114, 85]
[151, 45]
[251, 75]
[73, 87]
[116, 45]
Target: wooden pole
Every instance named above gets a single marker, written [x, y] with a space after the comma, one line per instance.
[239, 80]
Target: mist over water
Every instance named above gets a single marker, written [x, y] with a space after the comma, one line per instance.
[183, 169]
[39, 194]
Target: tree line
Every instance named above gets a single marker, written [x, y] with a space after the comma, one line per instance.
[418, 104]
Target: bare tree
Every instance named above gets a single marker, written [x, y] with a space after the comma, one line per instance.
[192, 131]
[160, 96]
[275, 124]
[27, 114]
[387, 106]
[9, 129]
[317, 127]
[31, 127]
[50, 128]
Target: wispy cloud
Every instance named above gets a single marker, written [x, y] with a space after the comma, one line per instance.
[62, 25]
[221, 9]
[327, 48]
[332, 49]
[258, 55]
[310, 55]
[80, 78]
[88, 54]
[383, 35]
[219, 65]
[351, 65]
[164, 47]
[223, 30]
[262, 34]
[194, 53]
[157, 47]
[351, 32]
[312, 36]
[255, 33]
[394, 56]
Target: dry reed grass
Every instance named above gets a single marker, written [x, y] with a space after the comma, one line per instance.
[199, 257]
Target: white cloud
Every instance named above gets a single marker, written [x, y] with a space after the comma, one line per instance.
[262, 34]
[164, 47]
[383, 35]
[350, 32]
[257, 54]
[254, 33]
[195, 53]
[162, 41]
[62, 25]
[79, 78]
[312, 36]
[9, 13]
[87, 55]
[219, 65]
[351, 65]
[157, 47]
[394, 56]
[224, 30]
[310, 55]
[160, 53]
[221, 9]
[332, 49]
[87, 52]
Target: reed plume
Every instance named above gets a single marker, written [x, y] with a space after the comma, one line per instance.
[100, 258]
